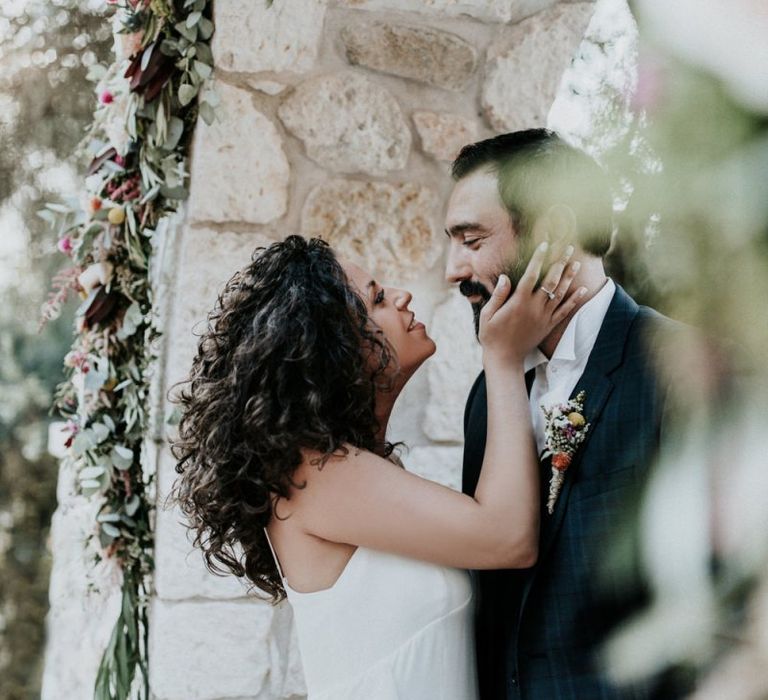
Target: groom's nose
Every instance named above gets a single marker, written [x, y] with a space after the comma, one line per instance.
[457, 268]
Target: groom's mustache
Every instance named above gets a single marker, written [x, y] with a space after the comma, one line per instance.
[473, 289]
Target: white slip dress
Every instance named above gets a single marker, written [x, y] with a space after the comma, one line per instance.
[390, 628]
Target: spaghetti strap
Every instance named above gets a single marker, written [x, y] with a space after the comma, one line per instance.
[274, 554]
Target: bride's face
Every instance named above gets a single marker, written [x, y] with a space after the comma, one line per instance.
[388, 309]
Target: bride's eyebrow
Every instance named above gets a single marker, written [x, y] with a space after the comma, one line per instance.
[371, 287]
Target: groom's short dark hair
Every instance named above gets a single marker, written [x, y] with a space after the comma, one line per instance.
[536, 169]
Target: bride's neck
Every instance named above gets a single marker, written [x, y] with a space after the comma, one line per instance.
[385, 402]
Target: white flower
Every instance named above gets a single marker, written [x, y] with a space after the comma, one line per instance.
[93, 275]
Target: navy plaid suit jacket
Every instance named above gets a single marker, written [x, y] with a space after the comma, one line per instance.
[537, 630]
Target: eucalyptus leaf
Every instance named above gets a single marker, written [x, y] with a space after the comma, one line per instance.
[91, 472]
[112, 166]
[203, 69]
[100, 432]
[46, 215]
[83, 441]
[59, 208]
[174, 192]
[109, 518]
[187, 93]
[193, 18]
[212, 98]
[121, 457]
[189, 33]
[203, 53]
[107, 419]
[110, 529]
[207, 113]
[161, 123]
[169, 47]
[150, 194]
[175, 132]
[132, 505]
[206, 28]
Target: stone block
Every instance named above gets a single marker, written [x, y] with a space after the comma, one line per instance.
[485, 10]
[84, 599]
[526, 64]
[207, 260]
[239, 168]
[252, 37]
[428, 55]
[386, 228]
[180, 568]
[436, 463]
[203, 650]
[348, 124]
[452, 369]
[443, 135]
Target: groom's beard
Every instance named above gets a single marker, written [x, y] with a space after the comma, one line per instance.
[514, 269]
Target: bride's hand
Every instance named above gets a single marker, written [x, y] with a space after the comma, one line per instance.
[509, 331]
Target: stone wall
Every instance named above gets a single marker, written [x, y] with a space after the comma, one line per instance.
[340, 120]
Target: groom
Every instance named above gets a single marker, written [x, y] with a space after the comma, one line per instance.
[538, 629]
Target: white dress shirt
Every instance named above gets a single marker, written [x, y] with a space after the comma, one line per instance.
[556, 378]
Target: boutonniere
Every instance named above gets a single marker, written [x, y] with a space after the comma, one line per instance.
[564, 431]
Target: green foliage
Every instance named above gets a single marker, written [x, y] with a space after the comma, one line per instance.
[137, 145]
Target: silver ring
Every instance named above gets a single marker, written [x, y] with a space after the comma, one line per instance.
[551, 295]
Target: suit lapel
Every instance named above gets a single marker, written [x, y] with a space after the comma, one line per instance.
[597, 385]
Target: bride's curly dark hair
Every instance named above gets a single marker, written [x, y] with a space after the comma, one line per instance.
[290, 360]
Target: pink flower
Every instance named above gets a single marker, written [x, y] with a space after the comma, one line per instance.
[106, 97]
[77, 359]
[119, 160]
[65, 245]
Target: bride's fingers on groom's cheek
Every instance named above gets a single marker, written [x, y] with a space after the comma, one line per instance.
[498, 297]
[568, 305]
[533, 270]
[565, 281]
[555, 275]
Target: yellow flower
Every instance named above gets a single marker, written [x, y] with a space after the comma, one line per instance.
[576, 419]
[116, 216]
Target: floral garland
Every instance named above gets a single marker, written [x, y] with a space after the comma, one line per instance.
[148, 103]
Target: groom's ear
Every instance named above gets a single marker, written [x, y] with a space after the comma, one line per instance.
[557, 225]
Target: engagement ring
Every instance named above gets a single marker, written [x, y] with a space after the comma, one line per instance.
[551, 295]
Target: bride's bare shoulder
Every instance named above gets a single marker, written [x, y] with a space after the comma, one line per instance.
[315, 462]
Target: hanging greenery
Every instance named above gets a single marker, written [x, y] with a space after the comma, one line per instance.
[148, 101]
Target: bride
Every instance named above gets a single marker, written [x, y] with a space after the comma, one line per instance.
[282, 452]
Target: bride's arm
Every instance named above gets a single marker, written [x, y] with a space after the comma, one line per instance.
[362, 499]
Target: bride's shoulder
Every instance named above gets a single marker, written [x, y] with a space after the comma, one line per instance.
[314, 462]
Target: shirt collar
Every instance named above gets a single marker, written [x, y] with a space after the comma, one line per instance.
[580, 333]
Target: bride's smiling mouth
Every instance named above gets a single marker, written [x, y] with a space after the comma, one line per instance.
[415, 325]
